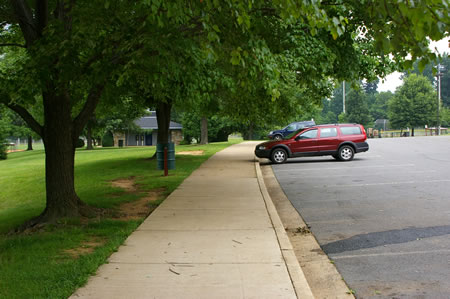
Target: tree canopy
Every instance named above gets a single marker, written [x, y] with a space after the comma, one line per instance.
[245, 59]
[430, 72]
[357, 108]
[414, 104]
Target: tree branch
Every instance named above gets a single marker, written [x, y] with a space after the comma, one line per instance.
[12, 45]
[88, 109]
[41, 15]
[27, 117]
[26, 22]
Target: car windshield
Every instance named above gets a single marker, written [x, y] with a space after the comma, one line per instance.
[290, 127]
[294, 133]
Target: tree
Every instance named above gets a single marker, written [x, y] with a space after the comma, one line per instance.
[68, 64]
[445, 117]
[445, 80]
[414, 104]
[357, 110]
[18, 128]
[336, 103]
[219, 129]
[426, 72]
[378, 110]
[70, 53]
[371, 87]
[430, 72]
[4, 128]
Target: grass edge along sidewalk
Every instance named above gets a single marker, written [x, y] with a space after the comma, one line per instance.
[57, 259]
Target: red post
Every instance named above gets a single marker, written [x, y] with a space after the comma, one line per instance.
[166, 168]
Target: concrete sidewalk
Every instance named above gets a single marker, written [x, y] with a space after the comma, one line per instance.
[216, 236]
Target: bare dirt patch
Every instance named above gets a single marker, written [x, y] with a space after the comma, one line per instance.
[133, 210]
[126, 184]
[192, 153]
[85, 248]
[14, 150]
[136, 209]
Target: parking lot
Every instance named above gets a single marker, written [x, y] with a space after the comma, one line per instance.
[383, 218]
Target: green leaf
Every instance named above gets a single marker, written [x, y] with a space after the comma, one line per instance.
[408, 64]
[334, 33]
[422, 64]
[386, 45]
[336, 22]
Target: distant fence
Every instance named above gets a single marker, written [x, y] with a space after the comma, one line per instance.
[22, 143]
[399, 133]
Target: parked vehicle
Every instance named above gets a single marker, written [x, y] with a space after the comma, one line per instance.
[289, 129]
[341, 141]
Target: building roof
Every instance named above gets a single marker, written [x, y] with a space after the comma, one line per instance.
[150, 123]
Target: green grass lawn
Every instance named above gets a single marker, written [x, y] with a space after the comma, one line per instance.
[39, 264]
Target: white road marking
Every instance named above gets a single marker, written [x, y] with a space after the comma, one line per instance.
[381, 184]
[369, 174]
[333, 257]
[343, 168]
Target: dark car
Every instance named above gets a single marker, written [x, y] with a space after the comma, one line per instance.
[289, 129]
[341, 141]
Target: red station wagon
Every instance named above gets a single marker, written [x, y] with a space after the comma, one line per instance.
[341, 141]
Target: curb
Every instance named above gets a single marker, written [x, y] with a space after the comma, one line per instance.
[324, 279]
[296, 274]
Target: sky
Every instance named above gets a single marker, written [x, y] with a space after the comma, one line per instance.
[392, 81]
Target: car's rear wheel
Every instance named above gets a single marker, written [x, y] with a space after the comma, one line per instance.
[277, 137]
[278, 156]
[346, 153]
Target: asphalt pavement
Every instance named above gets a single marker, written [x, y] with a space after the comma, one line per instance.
[383, 218]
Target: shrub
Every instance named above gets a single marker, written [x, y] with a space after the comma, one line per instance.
[80, 143]
[3, 154]
[108, 140]
[3, 146]
[185, 142]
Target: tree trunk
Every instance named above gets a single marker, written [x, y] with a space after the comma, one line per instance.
[163, 118]
[89, 136]
[250, 132]
[204, 131]
[412, 131]
[30, 143]
[62, 200]
[248, 135]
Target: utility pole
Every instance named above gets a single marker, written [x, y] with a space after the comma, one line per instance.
[439, 75]
[343, 96]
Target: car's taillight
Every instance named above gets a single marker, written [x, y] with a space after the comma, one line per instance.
[365, 134]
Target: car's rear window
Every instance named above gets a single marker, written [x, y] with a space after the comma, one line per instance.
[350, 130]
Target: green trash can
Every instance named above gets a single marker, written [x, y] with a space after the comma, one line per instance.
[170, 155]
